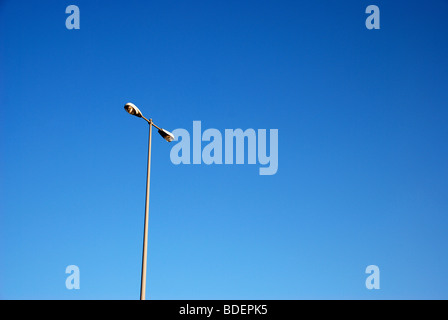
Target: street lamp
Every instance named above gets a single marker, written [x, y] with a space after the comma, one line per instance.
[168, 136]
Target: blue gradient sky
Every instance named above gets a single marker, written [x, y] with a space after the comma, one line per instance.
[362, 179]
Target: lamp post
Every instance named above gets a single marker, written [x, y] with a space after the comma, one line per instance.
[168, 136]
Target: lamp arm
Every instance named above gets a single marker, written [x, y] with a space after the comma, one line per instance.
[151, 123]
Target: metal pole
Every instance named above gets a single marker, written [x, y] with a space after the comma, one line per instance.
[145, 233]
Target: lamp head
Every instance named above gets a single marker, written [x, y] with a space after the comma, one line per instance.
[132, 109]
[168, 136]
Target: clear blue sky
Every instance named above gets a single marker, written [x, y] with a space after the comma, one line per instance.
[362, 121]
